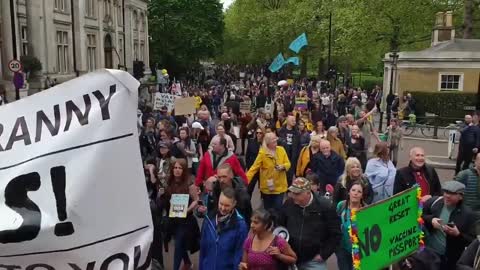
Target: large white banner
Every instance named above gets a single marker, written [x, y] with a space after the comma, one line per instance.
[72, 190]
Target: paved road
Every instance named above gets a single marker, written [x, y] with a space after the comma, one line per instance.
[432, 148]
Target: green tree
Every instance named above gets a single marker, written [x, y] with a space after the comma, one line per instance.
[183, 32]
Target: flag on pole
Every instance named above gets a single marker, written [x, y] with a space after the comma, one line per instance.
[294, 60]
[299, 43]
[277, 63]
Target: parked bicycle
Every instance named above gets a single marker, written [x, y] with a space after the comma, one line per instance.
[426, 128]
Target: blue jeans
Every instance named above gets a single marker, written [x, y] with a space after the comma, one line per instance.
[181, 252]
[272, 201]
[344, 259]
[313, 265]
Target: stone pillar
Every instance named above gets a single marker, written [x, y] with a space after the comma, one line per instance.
[147, 48]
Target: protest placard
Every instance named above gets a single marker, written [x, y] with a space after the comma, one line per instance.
[385, 232]
[62, 206]
[163, 99]
[301, 103]
[184, 106]
[179, 206]
[245, 106]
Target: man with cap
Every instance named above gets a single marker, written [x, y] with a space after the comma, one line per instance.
[450, 224]
[313, 225]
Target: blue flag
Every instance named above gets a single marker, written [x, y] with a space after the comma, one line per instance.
[277, 63]
[299, 43]
[294, 60]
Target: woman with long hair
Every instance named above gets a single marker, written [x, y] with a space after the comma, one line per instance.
[354, 201]
[304, 134]
[187, 147]
[272, 162]
[353, 172]
[381, 173]
[320, 130]
[184, 230]
[356, 146]
[263, 250]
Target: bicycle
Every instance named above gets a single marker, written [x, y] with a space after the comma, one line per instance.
[409, 126]
[453, 126]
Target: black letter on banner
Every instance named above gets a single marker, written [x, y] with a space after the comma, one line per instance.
[16, 198]
[104, 103]
[82, 117]
[138, 254]
[25, 136]
[90, 266]
[120, 256]
[10, 267]
[38, 265]
[41, 117]
[1, 131]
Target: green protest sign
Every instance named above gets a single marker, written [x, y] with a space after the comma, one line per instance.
[385, 232]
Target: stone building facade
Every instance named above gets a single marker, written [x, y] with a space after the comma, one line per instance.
[72, 37]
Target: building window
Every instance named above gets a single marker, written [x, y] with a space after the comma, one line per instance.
[120, 50]
[450, 82]
[62, 52]
[24, 36]
[142, 22]
[135, 20]
[91, 52]
[61, 5]
[135, 50]
[120, 14]
[90, 8]
[107, 8]
[142, 51]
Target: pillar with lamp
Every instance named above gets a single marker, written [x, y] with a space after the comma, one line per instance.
[391, 97]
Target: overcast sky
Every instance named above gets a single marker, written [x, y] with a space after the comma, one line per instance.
[226, 3]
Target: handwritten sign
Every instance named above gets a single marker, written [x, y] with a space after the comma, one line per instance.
[179, 205]
[388, 230]
[163, 99]
[245, 107]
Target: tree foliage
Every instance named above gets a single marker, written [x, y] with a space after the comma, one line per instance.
[363, 30]
[183, 32]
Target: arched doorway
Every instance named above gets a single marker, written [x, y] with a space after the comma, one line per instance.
[108, 50]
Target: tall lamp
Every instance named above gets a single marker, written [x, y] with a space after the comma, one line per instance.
[393, 62]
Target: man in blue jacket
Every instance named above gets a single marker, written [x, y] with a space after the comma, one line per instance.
[328, 165]
[223, 233]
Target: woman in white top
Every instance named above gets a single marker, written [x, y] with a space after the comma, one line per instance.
[221, 134]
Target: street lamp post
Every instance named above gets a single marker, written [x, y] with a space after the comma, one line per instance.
[393, 62]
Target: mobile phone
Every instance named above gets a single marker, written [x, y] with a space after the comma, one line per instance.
[451, 224]
[200, 202]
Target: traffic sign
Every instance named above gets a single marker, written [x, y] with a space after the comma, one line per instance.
[14, 65]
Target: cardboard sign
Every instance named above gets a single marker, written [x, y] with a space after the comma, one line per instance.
[163, 99]
[245, 107]
[184, 106]
[179, 206]
[387, 231]
[62, 206]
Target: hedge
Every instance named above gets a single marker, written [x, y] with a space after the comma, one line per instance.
[444, 104]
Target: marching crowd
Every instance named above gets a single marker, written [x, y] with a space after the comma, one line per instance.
[311, 162]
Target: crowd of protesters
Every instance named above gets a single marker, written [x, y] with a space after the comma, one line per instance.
[311, 164]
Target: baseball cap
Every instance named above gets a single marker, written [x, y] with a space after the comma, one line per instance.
[197, 125]
[300, 185]
[163, 145]
[454, 187]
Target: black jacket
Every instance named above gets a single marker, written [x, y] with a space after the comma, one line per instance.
[244, 206]
[468, 257]
[293, 150]
[252, 152]
[313, 230]
[462, 216]
[340, 193]
[405, 179]
[470, 137]
[328, 169]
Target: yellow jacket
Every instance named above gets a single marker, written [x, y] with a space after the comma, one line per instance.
[303, 160]
[265, 164]
[337, 146]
